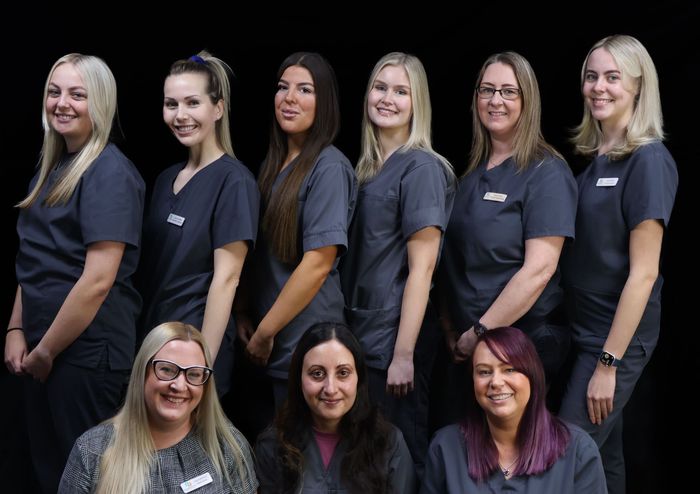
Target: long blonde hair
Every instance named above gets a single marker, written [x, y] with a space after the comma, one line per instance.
[126, 463]
[371, 156]
[528, 144]
[102, 105]
[646, 124]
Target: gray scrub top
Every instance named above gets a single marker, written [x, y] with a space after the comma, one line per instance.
[412, 191]
[219, 205]
[614, 197]
[326, 203]
[107, 205]
[579, 471]
[317, 479]
[495, 212]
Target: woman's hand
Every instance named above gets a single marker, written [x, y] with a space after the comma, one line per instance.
[399, 378]
[38, 364]
[259, 348]
[601, 390]
[15, 351]
[464, 347]
[244, 327]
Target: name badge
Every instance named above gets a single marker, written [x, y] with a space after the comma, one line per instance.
[175, 219]
[495, 196]
[197, 482]
[607, 182]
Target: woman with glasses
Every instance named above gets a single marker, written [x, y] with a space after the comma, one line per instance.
[611, 272]
[171, 435]
[515, 206]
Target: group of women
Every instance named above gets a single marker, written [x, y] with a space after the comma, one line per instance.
[73, 326]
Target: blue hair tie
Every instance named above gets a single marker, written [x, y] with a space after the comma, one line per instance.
[198, 59]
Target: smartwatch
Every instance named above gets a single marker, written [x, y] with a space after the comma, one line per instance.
[608, 359]
[479, 329]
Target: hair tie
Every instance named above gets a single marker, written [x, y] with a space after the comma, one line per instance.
[198, 59]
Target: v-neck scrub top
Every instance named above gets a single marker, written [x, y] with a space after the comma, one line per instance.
[326, 203]
[412, 191]
[615, 196]
[219, 205]
[579, 471]
[107, 205]
[495, 212]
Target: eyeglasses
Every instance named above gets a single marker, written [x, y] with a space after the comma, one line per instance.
[509, 93]
[196, 375]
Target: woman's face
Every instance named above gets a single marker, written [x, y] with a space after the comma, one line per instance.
[499, 115]
[608, 95]
[295, 101]
[389, 103]
[500, 390]
[67, 106]
[188, 110]
[170, 403]
[329, 383]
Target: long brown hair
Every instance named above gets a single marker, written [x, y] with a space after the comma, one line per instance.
[280, 219]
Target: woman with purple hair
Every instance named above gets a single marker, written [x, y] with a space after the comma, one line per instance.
[509, 440]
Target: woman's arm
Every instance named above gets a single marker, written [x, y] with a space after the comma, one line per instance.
[228, 263]
[521, 292]
[645, 252]
[423, 247]
[79, 308]
[15, 342]
[299, 290]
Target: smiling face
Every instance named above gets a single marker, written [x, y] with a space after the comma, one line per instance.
[67, 106]
[608, 95]
[295, 101]
[188, 110]
[500, 390]
[329, 383]
[170, 403]
[498, 115]
[389, 103]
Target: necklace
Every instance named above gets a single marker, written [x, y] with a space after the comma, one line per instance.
[506, 470]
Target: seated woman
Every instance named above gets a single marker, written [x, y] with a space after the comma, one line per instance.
[171, 435]
[327, 437]
[509, 440]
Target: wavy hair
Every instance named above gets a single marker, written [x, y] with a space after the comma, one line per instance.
[101, 91]
[127, 461]
[638, 72]
[529, 144]
[280, 219]
[541, 439]
[218, 88]
[371, 156]
[367, 434]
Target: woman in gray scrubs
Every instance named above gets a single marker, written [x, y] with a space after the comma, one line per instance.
[328, 437]
[403, 205]
[203, 214]
[72, 331]
[309, 190]
[611, 272]
[509, 441]
[514, 208]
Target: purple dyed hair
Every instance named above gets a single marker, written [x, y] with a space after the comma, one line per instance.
[541, 439]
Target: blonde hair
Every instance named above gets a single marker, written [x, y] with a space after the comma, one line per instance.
[102, 106]
[646, 124]
[218, 88]
[528, 144]
[371, 156]
[126, 463]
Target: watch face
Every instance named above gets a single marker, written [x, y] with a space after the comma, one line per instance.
[607, 358]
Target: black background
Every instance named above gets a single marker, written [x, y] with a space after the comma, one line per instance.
[452, 47]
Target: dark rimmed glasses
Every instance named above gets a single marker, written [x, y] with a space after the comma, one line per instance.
[509, 93]
[196, 375]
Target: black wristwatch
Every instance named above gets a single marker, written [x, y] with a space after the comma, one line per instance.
[479, 329]
[608, 359]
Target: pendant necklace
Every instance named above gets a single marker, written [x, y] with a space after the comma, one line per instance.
[506, 470]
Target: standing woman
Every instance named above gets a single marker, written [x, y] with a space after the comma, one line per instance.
[73, 326]
[612, 270]
[515, 207]
[309, 190]
[403, 206]
[203, 214]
